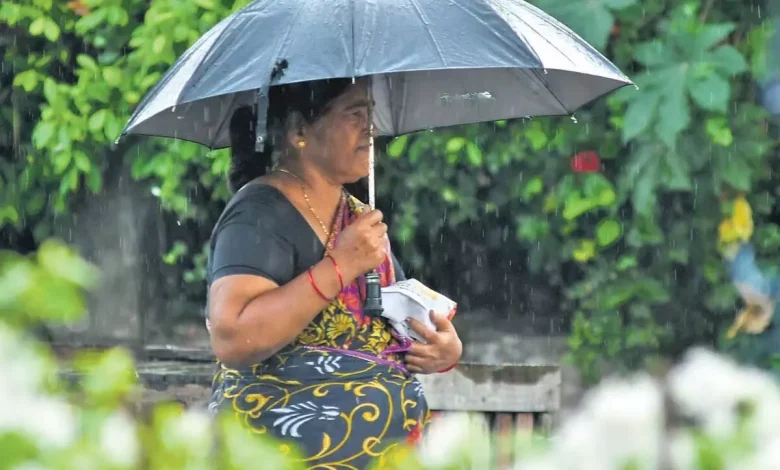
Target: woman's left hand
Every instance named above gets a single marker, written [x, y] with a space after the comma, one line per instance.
[443, 348]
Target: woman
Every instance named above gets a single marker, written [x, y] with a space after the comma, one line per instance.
[298, 358]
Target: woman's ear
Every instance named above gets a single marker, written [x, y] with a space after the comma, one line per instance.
[296, 131]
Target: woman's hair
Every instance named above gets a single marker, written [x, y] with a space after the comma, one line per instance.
[308, 100]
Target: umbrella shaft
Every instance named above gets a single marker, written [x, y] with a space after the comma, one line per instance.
[371, 185]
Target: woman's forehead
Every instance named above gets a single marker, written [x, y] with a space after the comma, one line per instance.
[354, 96]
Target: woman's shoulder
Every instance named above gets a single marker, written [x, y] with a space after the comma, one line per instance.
[258, 203]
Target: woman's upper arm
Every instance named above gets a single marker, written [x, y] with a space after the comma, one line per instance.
[248, 258]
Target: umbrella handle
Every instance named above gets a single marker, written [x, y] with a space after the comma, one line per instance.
[373, 303]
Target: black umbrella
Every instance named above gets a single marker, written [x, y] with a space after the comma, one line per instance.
[432, 63]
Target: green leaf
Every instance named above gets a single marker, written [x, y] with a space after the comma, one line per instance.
[676, 172]
[62, 262]
[455, 144]
[585, 251]
[711, 34]
[112, 76]
[42, 135]
[113, 126]
[711, 93]
[206, 4]
[91, 21]
[593, 20]
[83, 163]
[719, 132]
[652, 53]
[9, 214]
[51, 30]
[397, 146]
[61, 162]
[639, 178]
[675, 111]
[37, 26]
[28, 80]
[87, 62]
[532, 188]
[640, 114]
[728, 60]
[50, 89]
[159, 44]
[575, 205]
[626, 262]
[735, 172]
[35, 203]
[536, 136]
[474, 154]
[97, 120]
[95, 180]
[107, 377]
[608, 231]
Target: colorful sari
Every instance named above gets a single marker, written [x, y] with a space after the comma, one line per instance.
[339, 392]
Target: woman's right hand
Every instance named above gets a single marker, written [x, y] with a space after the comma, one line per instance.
[362, 246]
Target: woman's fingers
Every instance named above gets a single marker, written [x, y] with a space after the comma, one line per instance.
[442, 322]
[417, 363]
[427, 334]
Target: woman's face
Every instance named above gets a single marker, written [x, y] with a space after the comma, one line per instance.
[339, 141]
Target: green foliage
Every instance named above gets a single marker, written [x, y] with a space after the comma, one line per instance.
[492, 213]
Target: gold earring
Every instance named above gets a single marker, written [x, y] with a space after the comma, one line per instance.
[301, 143]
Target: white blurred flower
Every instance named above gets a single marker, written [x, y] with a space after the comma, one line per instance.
[192, 430]
[119, 440]
[620, 422]
[710, 388]
[48, 421]
[681, 450]
[21, 367]
[453, 437]
[539, 463]
[30, 466]
[766, 457]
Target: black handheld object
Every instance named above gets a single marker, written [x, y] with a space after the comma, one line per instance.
[373, 304]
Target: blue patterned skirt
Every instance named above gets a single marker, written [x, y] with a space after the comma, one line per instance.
[338, 410]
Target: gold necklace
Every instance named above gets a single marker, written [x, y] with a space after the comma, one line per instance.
[306, 198]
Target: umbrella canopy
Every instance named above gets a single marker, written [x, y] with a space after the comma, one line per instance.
[433, 63]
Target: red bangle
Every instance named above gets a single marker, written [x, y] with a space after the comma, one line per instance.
[448, 368]
[338, 271]
[316, 289]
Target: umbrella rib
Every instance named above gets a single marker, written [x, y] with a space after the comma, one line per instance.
[222, 121]
[520, 18]
[552, 93]
[491, 30]
[354, 58]
[428, 30]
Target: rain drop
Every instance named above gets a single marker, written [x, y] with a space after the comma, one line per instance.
[573, 119]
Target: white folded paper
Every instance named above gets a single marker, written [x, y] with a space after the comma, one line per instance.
[412, 299]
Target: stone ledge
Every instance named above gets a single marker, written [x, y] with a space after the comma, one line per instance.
[504, 388]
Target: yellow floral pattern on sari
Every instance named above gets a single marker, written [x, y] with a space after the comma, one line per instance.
[339, 410]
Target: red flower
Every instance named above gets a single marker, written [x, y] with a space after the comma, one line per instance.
[586, 162]
[414, 436]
